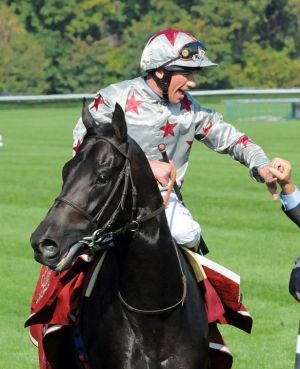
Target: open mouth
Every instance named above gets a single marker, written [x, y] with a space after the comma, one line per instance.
[70, 256]
[48, 253]
[181, 94]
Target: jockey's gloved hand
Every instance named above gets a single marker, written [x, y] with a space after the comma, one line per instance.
[294, 285]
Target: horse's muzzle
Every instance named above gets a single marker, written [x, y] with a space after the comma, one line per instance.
[46, 251]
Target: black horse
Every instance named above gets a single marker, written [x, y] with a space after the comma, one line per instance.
[146, 310]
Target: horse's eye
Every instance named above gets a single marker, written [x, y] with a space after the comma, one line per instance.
[101, 179]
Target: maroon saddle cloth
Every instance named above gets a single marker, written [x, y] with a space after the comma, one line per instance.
[57, 298]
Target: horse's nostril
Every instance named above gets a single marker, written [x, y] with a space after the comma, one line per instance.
[48, 248]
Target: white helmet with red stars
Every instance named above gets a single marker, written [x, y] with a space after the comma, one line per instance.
[174, 50]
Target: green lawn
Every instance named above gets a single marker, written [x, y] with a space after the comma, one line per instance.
[36, 144]
[245, 230]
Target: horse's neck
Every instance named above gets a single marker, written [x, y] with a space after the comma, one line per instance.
[151, 266]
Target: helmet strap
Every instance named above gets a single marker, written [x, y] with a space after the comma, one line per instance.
[163, 83]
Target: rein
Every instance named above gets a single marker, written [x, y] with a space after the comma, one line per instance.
[166, 309]
[170, 186]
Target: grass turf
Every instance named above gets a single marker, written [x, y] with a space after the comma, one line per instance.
[244, 229]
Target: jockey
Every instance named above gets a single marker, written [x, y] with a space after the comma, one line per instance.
[159, 109]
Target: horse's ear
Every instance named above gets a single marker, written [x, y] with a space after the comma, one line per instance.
[87, 118]
[119, 123]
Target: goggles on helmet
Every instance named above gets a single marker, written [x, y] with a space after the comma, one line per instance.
[191, 51]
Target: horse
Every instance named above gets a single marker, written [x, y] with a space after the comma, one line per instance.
[146, 309]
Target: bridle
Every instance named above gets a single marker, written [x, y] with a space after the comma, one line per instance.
[103, 236]
[125, 177]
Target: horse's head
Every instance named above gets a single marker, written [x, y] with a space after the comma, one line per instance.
[96, 191]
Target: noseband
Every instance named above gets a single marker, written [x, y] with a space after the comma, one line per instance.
[102, 235]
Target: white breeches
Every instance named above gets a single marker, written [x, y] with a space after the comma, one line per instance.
[184, 229]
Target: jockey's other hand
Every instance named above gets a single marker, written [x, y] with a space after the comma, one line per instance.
[161, 171]
[270, 180]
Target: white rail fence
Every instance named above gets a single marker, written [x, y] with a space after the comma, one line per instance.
[244, 91]
[251, 104]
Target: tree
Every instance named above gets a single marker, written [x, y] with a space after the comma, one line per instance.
[87, 66]
[266, 67]
[22, 62]
[90, 43]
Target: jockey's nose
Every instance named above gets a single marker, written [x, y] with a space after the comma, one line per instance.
[191, 83]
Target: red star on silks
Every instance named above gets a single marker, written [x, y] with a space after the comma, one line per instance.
[208, 128]
[168, 129]
[243, 140]
[98, 101]
[133, 104]
[77, 146]
[190, 143]
[185, 103]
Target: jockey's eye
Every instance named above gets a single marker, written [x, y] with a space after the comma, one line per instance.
[101, 179]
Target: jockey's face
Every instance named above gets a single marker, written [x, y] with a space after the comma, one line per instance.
[180, 83]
